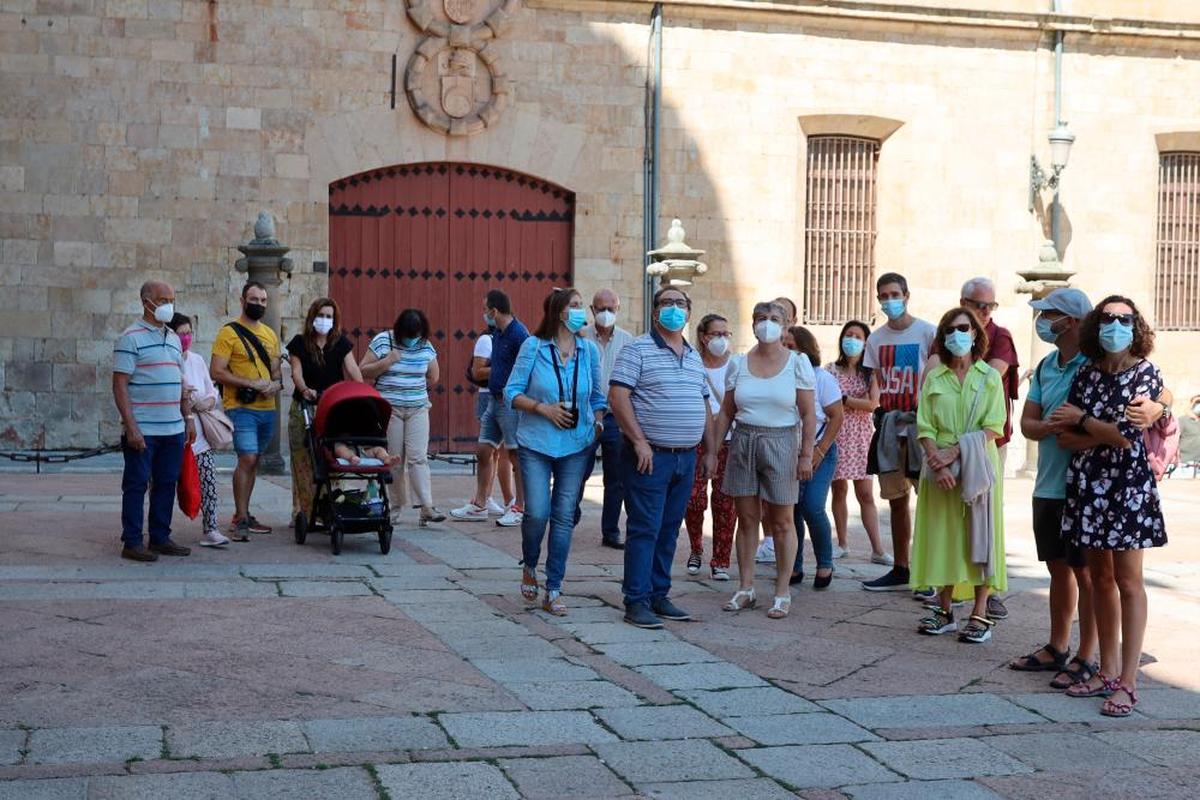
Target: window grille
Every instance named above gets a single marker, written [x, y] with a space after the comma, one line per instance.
[1177, 272]
[839, 230]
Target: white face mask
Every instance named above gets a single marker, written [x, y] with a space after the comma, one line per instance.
[164, 313]
[322, 325]
[718, 345]
[768, 331]
[606, 318]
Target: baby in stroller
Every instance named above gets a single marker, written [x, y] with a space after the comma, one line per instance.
[365, 457]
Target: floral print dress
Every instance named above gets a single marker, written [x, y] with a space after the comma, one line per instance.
[1112, 499]
[854, 438]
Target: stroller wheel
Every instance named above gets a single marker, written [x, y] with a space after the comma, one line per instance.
[385, 539]
[335, 538]
[301, 526]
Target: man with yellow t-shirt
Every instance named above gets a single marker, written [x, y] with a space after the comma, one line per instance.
[245, 361]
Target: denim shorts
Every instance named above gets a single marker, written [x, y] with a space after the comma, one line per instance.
[252, 430]
[483, 399]
[498, 427]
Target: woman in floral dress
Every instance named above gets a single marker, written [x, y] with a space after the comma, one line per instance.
[860, 396]
[1113, 508]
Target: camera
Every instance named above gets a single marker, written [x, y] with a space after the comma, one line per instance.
[245, 395]
[574, 412]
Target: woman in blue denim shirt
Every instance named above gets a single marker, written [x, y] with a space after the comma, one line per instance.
[555, 386]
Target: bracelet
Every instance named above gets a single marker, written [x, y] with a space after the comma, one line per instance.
[189, 416]
[1081, 426]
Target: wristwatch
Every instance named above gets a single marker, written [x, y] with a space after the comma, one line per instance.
[1166, 409]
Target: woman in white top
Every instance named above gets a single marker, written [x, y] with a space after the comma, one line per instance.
[202, 395]
[768, 391]
[713, 338]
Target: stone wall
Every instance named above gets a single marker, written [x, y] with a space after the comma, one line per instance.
[138, 138]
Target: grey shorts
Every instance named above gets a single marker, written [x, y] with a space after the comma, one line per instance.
[498, 426]
[762, 463]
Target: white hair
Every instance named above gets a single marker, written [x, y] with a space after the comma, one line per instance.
[972, 285]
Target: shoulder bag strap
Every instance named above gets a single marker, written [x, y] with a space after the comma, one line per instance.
[251, 343]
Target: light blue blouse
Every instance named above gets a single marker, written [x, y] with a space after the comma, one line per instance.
[533, 375]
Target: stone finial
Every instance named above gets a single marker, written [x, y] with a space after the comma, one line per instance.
[676, 263]
[264, 227]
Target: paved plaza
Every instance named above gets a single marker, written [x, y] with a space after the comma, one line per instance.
[271, 670]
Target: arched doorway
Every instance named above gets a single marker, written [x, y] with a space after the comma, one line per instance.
[437, 236]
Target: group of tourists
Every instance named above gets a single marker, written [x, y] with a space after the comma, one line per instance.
[762, 439]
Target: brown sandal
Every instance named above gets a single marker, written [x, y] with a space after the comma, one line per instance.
[552, 604]
[529, 585]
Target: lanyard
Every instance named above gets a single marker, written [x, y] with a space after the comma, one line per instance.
[558, 375]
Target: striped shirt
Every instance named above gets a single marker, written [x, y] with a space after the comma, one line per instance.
[153, 360]
[669, 392]
[403, 385]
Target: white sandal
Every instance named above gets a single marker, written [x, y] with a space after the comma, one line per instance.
[742, 600]
[781, 608]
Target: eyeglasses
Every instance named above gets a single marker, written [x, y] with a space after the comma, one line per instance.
[981, 306]
[1124, 319]
[964, 328]
[680, 303]
[720, 335]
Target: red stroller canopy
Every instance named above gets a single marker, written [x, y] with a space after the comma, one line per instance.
[350, 408]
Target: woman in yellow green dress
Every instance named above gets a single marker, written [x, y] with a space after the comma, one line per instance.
[959, 417]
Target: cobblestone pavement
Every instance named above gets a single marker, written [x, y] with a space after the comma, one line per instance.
[273, 670]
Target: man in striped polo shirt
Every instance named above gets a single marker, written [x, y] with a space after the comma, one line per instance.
[659, 396]
[148, 389]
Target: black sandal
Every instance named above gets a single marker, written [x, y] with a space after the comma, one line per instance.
[1031, 662]
[1067, 677]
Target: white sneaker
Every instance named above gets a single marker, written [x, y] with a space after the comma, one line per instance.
[470, 513]
[213, 539]
[495, 509]
[766, 552]
[511, 519]
[883, 558]
[840, 552]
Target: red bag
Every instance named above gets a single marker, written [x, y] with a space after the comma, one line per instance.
[188, 488]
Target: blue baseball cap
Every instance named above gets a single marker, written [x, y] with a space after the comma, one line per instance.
[1071, 302]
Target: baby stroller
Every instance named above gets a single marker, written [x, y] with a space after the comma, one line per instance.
[356, 415]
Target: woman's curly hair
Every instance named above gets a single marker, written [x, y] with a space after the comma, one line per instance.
[1089, 331]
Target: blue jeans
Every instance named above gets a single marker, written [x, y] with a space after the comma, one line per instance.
[810, 510]
[654, 508]
[609, 444]
[252, 430]
[158, 467]
[555, 506]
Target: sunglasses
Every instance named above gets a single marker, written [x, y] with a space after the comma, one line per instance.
[981, 306]
[964, 328]
[1124, 319]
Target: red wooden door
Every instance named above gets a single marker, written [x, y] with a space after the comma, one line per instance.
[438, 237]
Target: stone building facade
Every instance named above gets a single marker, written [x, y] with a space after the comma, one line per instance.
[140, 138]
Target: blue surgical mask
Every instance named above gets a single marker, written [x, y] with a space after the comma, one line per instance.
[894, 309]
[576, 319]
[852, 347]
[673, 318]
[489, 320]
[1045, 330]
[958, 343]
[409, 342]
[1115, 337]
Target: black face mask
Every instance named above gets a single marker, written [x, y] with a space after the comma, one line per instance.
[254, 311]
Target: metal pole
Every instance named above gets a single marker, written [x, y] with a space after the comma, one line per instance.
[650, 157]
[1055, 211]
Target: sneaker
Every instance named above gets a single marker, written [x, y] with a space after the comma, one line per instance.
[493, 508]
[996, 608]
[471, 512]
[766, 552]
[840, 552]
[665, 609]
[720, 573]
[883, 558]
[213, 538]
[640, 616]
[241, 531]
[693, 564]
[895, 580]
[254, 526]
[142, 554]
[169, 548]
[934, 604]
[924, 594]
[511, 519]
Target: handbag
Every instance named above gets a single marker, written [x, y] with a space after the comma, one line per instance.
[188, 489]
[217, 427]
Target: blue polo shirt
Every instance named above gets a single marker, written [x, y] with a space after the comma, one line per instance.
[153, 360]
[534, 376]
[1048, 388]
[506, 344]
[669, 392]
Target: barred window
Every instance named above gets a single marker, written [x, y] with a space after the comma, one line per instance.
[839, 229]
[1177, 273]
